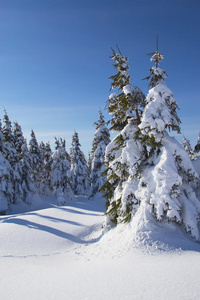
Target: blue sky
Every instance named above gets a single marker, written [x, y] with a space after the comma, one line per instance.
[54, 60]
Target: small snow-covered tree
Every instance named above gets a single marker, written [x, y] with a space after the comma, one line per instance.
[18, 138]
[79, 169]
[46, 154]
[168, 180]
[18, 143]
[123, 155]
[36, 161]
[6, 189]
[42, 148]
[60, 173]
[100, 141]
[46, 174]
[28, 185]
[9, 147]
[12, 156]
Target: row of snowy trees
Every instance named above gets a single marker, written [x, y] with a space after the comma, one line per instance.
[29, 170]
[149, 173]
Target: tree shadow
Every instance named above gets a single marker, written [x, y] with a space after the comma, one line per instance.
[8, 219]
[74, 211]
[54, 219]
[51, 230]
[81, 206]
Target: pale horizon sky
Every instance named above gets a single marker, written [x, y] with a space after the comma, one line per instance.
[54, 62]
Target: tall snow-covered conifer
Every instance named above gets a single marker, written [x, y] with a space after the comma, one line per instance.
[12, 156]
[46, 175]
[123, 155]
[18, 138]
[100, 141]
[18, 142]
[36, 161]
[167, 183]
[46, 154]
[27, 185]
[6, 189]
[9, 147]
[79, 169]
[60, 173]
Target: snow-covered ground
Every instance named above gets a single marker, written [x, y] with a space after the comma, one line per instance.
[60, 252]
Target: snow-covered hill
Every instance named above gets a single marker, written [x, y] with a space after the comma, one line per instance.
[62, 253]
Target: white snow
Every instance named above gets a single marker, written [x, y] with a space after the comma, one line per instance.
[61, 252]
[159, 114]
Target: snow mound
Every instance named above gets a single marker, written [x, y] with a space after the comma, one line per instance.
[144, 234]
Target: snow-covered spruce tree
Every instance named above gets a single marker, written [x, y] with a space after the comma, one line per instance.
[46, 174]
[19, 139]
[100, 141]
[79, 169]
[125, 153]
[13, 158]
[18, 143]
[60, 173]
[42, 148]
[46, 154]
[6, 189]
[27, 185]
[167, 183]
[9, 147]
[36, 161]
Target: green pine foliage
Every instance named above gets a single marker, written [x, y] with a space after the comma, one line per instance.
[36, 160]
[129, 100]
[125, 153]
[6, 187]
[188, 148]
[46, 171]
[100, 141]
[79, 168]
[28, 184]
[60, 173]
[13, 157]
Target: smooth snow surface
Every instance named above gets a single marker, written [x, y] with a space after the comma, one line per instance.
[60, 252]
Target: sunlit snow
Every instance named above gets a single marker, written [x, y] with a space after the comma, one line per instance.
[61, 252]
